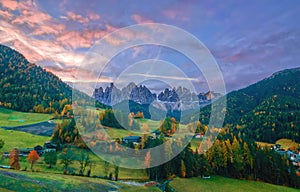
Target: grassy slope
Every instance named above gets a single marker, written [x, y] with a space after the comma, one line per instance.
[23, 140]
[18, 139]
[33, 181]
[222, 184]
[15, 118]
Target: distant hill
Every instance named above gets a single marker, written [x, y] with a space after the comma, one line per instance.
[27, 87]
[267, 110]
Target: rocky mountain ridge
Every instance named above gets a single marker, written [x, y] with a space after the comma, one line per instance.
[172, 98]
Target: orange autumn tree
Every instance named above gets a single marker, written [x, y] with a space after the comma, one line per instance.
[148, 161]
[14, 158]
[32, 158]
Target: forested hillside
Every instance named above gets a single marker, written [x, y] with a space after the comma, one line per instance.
[267, 110]
[28, 87]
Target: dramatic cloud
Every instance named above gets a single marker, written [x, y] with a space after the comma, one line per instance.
[31, 18]
[13, 5]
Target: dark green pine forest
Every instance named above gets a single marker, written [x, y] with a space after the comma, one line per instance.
[267, 110]
[28, 87]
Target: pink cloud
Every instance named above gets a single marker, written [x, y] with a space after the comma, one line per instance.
[110, 28]
[82, 39]
[38, 51]
[35, 50]
[10, 4]
[93, 16]
[113, 41]
[77, 17]
[6, 14]
[56, 51]
[74, 39]
[31, 18]
[70, 74]
[139, 19]
[94, 34]
[55, 29]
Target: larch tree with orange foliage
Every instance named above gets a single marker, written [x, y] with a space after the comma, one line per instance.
[14, 158]
[32, 158]
[148, 161]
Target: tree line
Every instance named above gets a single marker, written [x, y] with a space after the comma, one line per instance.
[231, 155]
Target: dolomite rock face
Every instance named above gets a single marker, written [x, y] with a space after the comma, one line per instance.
[172, 99]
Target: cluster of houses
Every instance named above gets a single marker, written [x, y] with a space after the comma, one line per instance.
[294, 157]
[48, 146]
[137, 139]
[155, 134]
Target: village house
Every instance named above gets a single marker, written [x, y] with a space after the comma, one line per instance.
[48, 146]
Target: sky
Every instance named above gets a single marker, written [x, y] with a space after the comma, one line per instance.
[249, 40]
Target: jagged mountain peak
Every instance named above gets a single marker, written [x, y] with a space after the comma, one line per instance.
[172, 97]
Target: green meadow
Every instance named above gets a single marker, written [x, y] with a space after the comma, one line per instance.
[222, 184]
[35, 181]
[14, 118]
[18, 139]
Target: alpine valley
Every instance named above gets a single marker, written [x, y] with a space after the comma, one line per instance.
[249, 145]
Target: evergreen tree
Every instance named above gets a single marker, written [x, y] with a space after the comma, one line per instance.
[238, 162]
[67, 158]
[1, 143]
[50, 158]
